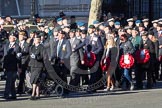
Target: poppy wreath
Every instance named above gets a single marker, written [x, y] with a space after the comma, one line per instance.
[89, 61]
[160, 58]
[144, 59]
[127, 65]
[105, 63]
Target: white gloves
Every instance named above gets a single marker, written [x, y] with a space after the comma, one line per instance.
[32, 56]
[19, 54]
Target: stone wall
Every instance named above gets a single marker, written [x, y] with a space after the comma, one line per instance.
[46, 7]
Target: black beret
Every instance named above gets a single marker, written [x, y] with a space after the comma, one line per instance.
[84, 31]
[150, 33]
[92, 26]
[73, 30]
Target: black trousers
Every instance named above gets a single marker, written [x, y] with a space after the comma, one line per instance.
[21, 86]
[10, 84]
[142, 70]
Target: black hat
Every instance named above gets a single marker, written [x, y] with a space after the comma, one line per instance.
[73, 30]
[150, 33]
[84, 31]
[92, 26]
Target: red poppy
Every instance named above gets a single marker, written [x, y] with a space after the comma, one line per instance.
[105, 63]
[126, 62]
[142, 56]
[89, 61]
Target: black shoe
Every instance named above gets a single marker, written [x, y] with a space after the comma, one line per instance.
[13, 98]
[6, 97]
[32, 98]
[37, 97]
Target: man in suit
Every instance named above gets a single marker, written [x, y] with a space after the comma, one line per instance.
[11, 65]
[97, 48]
[75, 59]
[92, 40]
[146, 67]
[62, 54]
[24, 61]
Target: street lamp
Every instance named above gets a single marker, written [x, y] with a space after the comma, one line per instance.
[32, 17]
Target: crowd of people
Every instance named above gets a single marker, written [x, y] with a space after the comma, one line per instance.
[121, 46]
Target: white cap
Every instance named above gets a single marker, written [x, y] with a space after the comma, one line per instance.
[155, 21]
[130, 20]
[111, 19]
[145, 20]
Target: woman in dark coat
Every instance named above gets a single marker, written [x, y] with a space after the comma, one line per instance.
[111, 52]
[36, 64]
[155, 57]
[126, 47]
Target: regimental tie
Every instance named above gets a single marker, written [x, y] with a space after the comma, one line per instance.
[21, 45]
[58, 48]
[72, 40]
[11, 45]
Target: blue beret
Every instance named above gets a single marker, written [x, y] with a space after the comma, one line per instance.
[138, 21]
[80, 24]
[117, 23]
[95, 22]
[59, 19]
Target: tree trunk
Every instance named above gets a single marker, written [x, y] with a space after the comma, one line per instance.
[95, 11]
